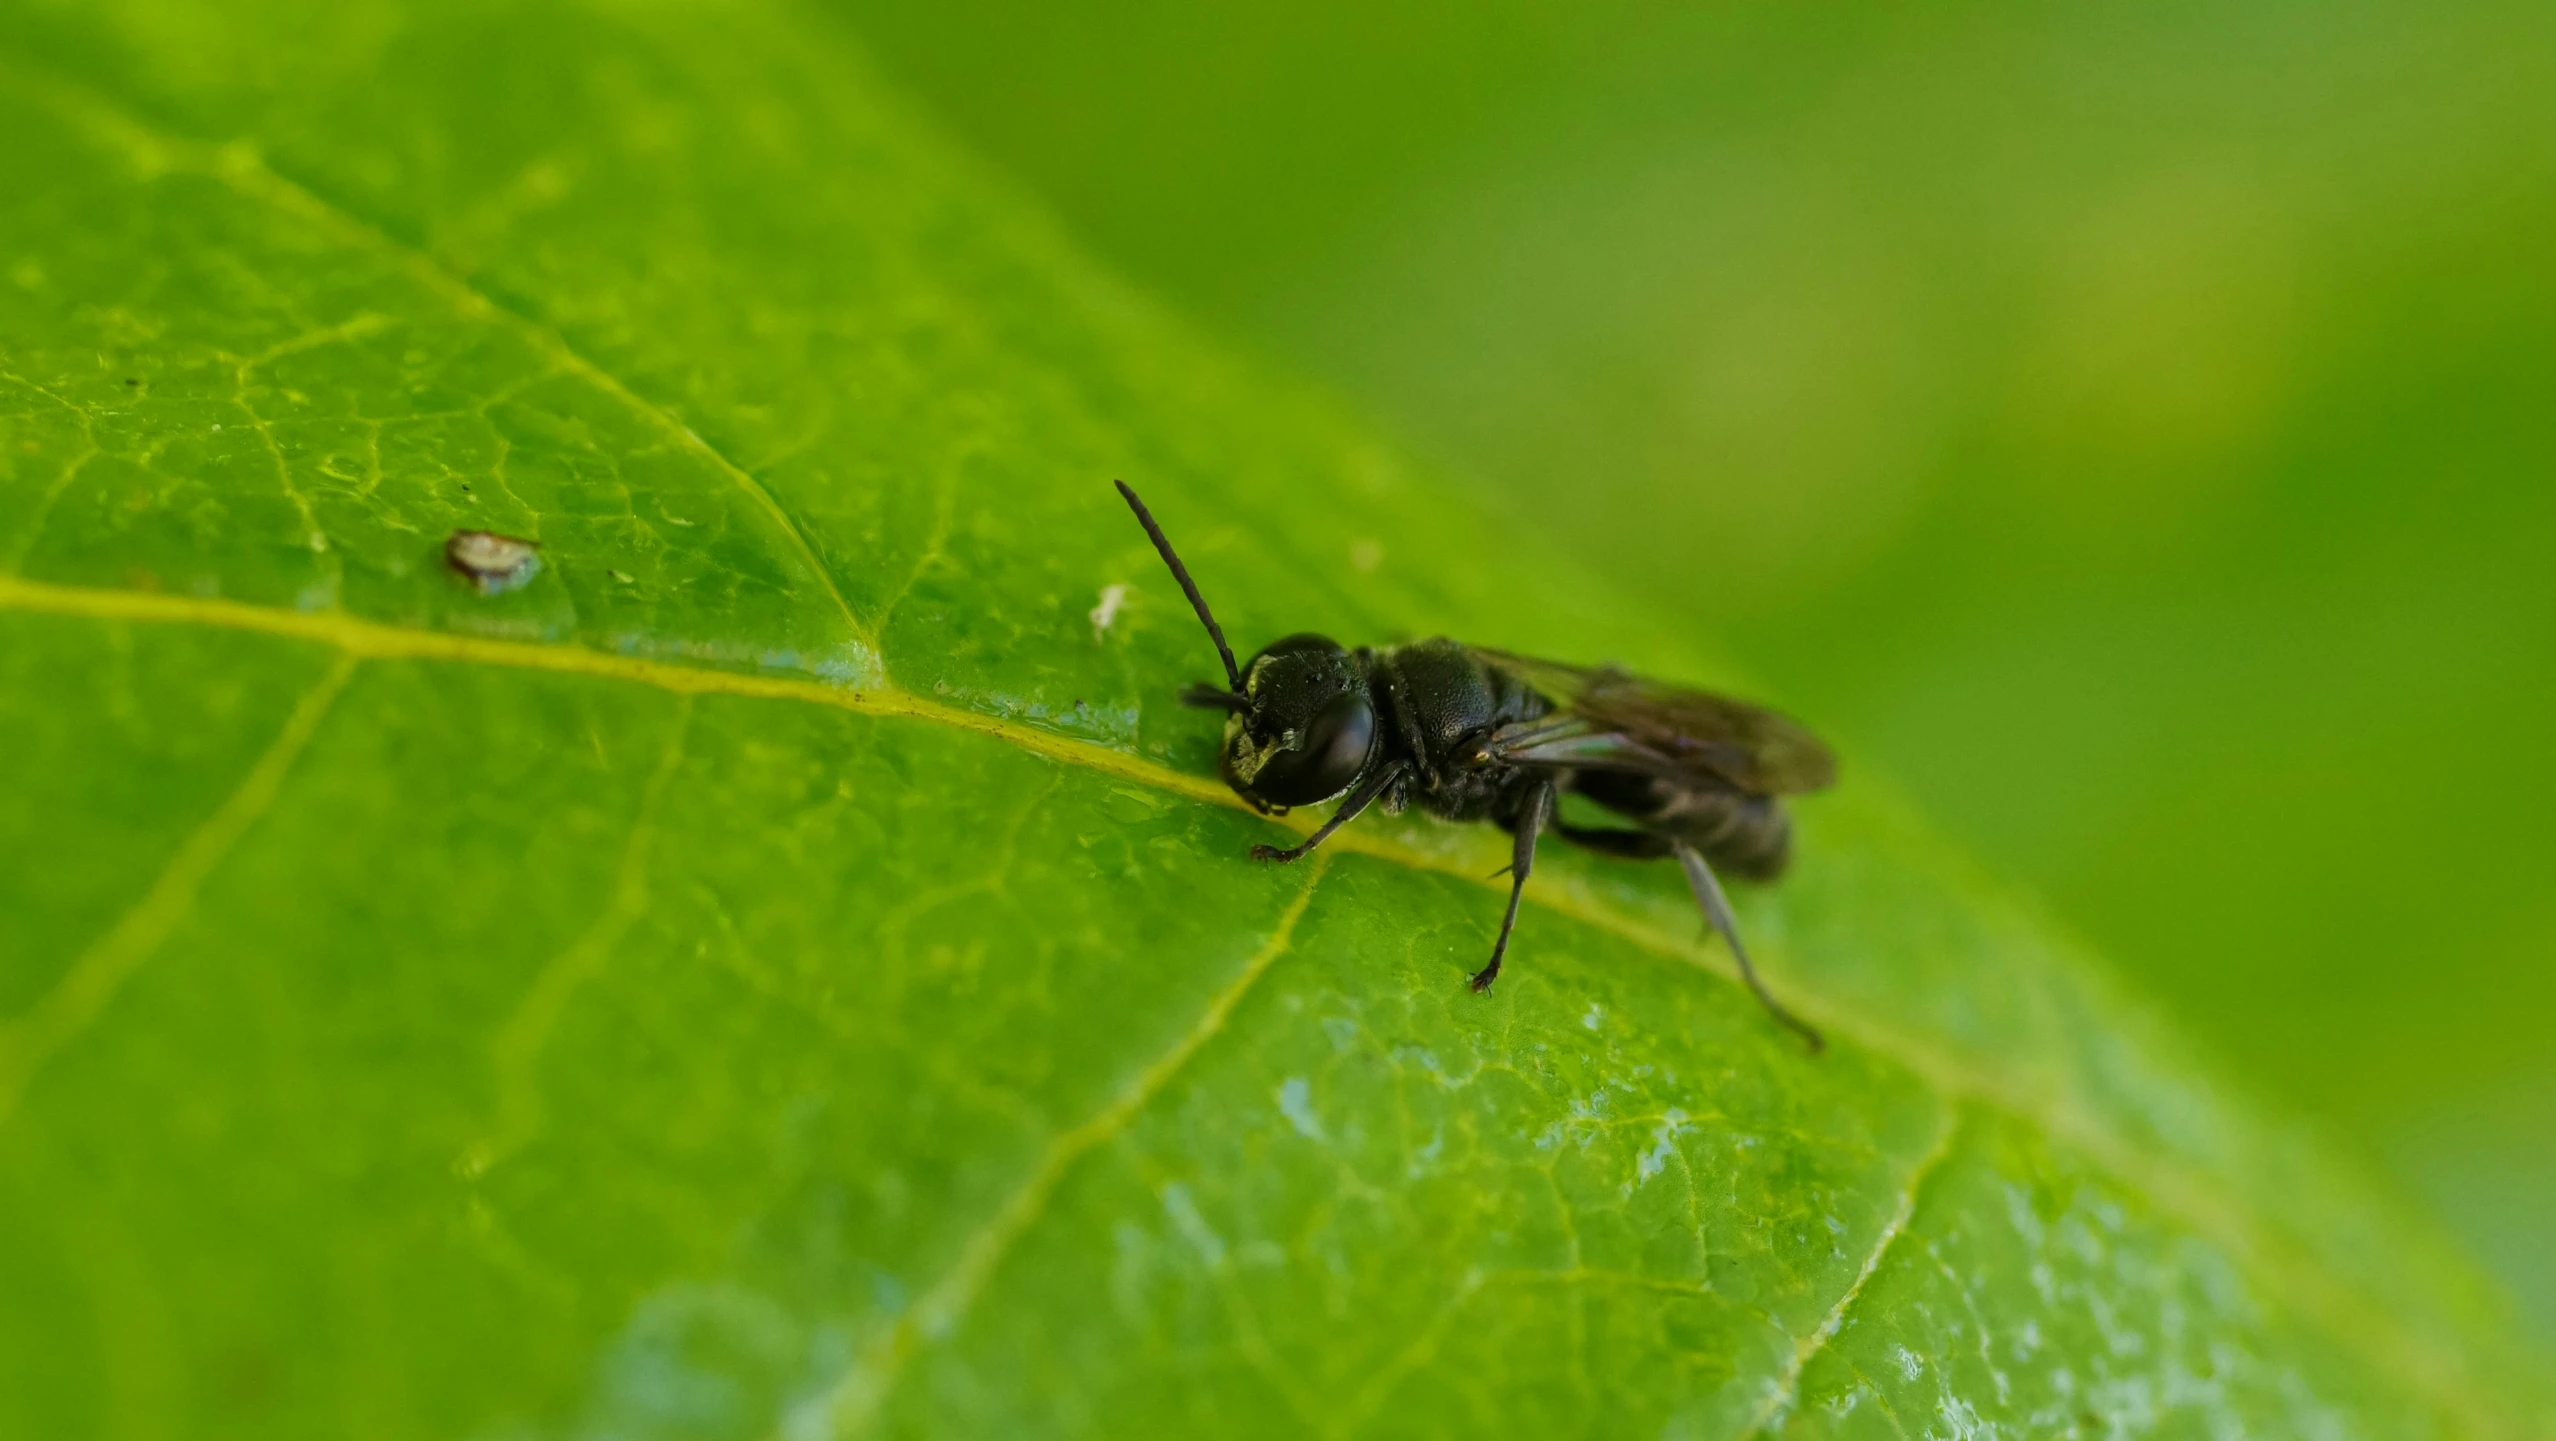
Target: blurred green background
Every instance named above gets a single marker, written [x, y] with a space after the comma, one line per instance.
[2131, 428]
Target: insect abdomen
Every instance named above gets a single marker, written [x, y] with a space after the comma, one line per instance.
[1745, 835]
[1750, 836]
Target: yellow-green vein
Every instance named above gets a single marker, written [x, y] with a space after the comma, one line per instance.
[240, 167]
[62, 1013]
[520, 1041]
[1787, 1387]
[856, 1401]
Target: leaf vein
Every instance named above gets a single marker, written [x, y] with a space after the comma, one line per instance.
[1788, 1386]
[42, 513]
[75, 1002]
[240, 167]
[526, 1033]
[944, 512]
[857, 1401]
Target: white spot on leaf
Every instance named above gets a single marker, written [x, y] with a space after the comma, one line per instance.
[1663, 1145]
[1192, 1226]
[1425, 1159]
[1295, 1102]
[1111, 598]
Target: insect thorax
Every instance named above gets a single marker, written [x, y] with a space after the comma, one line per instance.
[1438, 698]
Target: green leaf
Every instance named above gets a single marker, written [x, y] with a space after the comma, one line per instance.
[788, 969]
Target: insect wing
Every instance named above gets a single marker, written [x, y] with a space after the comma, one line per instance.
[1625, 722]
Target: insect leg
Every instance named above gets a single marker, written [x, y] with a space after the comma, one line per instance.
[1717, 909]
[1359, 799]
[1521, 860]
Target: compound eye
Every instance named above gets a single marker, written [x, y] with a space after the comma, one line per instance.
[1329, 756]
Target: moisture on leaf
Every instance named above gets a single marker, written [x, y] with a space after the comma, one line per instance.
[791, 971]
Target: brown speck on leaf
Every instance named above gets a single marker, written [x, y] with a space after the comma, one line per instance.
[495, 563]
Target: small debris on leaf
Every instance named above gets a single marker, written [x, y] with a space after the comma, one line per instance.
[1111, 598]
[495, 563]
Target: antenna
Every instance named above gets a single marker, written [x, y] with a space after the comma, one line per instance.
[1188, 587]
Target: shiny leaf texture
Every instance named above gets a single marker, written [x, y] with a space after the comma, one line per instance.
[787, 968]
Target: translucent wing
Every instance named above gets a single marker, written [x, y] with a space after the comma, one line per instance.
[1618, 720]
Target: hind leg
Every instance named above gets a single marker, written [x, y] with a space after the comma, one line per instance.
[1717, 911]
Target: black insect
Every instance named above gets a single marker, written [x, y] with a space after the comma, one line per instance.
[1471, 734]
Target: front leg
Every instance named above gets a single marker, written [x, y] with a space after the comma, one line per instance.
[1530, 822]
[1368, 789]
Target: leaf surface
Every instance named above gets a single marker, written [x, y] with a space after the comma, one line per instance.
[788, 969]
